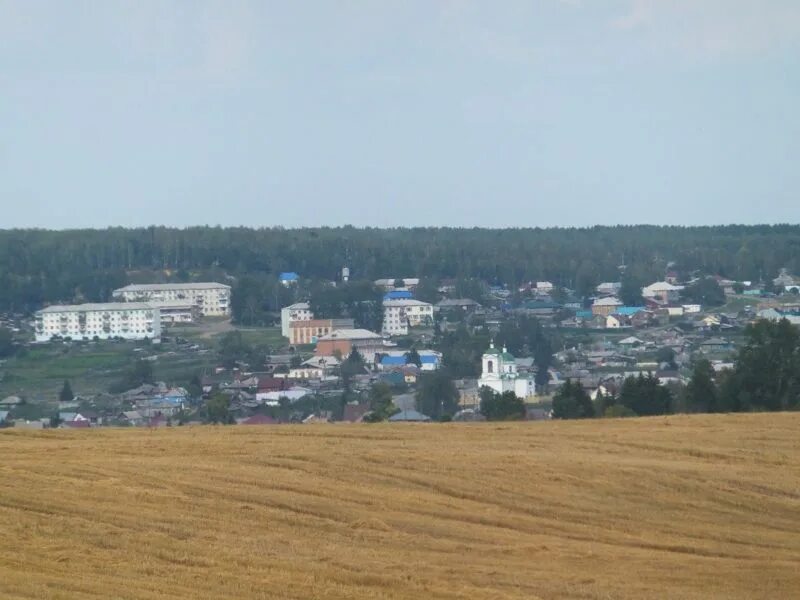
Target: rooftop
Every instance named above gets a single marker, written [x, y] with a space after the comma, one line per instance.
[457, 302]
[351, 334]
[159, 287]
[502, 354]
[177, 303]
[405, 302]
[299, 306]
[105, 306]
[662, 286]
[409, 415]
[611, 301]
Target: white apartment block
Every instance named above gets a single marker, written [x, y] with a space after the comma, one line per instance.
[212, 299]
[399, 315]
[129, 320]
[176, 311]
[299, 311]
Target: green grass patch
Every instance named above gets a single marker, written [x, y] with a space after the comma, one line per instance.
[92, 368]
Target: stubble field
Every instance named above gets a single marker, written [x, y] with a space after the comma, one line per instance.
[683, 507]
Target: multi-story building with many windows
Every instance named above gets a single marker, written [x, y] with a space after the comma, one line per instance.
[399, 315]
[299, 311]
[129, 320]
[212, 299]
[176, 311]
[308, 332]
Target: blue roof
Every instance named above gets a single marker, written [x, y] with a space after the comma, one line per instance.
[429, 359]
[398, 295]
[583, 314]
[629, 310]
[393, 360]
[289, 276]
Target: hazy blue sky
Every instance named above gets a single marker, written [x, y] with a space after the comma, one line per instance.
[527, 113]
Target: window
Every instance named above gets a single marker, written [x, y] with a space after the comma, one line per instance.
[489, 366]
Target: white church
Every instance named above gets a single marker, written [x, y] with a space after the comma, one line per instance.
[500, 374]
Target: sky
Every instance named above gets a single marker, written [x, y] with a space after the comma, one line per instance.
[532, 113]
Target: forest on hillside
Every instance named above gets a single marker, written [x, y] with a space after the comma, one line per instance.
[39, 266]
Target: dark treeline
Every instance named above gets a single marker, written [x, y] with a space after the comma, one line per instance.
[38, 266]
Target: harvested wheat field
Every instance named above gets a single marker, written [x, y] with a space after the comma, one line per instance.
[680, 507]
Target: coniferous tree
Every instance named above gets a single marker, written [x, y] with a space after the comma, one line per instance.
[66, 395]
[645, 396]
[413, 357]
[701, 391]
[572, 402]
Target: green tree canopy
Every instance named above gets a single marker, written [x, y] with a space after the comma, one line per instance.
[380, 403]
[140, 372]
[645, 396]
[705, 291]
[766, 375]
[218, 409]
[501, 407]
[631, 291]
[436, 395]
[233, 349]
[572, 402]
[66, 395]
[701, 391]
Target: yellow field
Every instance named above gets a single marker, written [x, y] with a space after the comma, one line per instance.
[684, 507]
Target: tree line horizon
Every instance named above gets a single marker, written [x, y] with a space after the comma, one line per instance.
[39, 266]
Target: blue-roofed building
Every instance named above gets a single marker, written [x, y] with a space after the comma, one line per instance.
[288, 278]
[393, 361]
[586, 315]
[398, 295]
[629, 311]
[429, 360]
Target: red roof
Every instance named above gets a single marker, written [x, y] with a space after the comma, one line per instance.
[272, 384]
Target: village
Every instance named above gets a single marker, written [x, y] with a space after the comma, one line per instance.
[333, 370]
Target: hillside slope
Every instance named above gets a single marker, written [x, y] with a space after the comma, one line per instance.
[684, 507]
